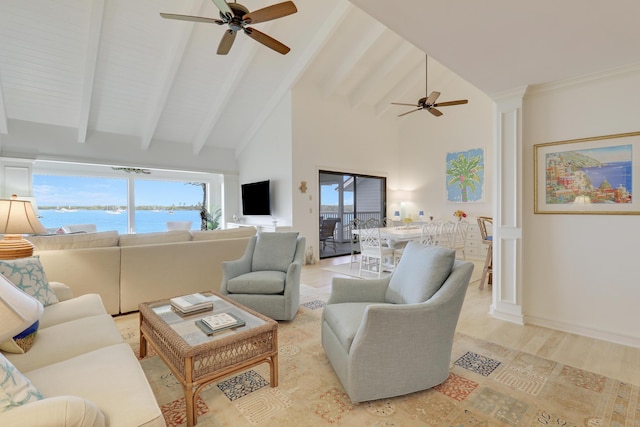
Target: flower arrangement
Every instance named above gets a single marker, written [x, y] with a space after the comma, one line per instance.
[459, 214]
[408, 220]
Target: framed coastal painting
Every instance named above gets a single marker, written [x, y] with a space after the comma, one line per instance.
[588, 176]
[465, 176]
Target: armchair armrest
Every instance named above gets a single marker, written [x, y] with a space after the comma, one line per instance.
[68, 411]
[358, 290]
[62, 291]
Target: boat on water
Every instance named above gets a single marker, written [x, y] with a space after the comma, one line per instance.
[115, 211]
[66, 209]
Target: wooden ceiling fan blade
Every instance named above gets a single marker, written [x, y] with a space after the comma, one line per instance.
[266, 40]
[270, 12]
[432, 98]
[224, 7]
[409, 112]
[191, 18]
[226, 42]
[447, 103]
[435, 111]
[408, 105]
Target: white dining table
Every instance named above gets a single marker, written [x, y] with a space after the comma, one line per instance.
[394, 235]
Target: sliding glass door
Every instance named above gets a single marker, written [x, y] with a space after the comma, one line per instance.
[345, 196]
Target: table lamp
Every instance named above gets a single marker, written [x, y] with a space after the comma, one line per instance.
[18, 310]
[16, 218]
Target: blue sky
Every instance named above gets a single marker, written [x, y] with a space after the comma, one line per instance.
[53, 190]
[329, 195]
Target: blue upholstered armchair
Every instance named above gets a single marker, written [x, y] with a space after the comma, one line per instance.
[267, 277]
[393, 336]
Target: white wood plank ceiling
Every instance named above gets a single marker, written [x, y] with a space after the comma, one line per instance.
[116, 66]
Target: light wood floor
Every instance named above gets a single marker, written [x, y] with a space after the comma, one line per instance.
[602, 357]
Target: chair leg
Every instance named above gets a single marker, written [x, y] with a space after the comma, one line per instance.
[487, 269]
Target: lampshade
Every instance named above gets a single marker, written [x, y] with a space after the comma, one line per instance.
[16, 218]
[18, 310]
[396, 214]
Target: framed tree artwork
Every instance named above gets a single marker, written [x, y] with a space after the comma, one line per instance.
[465, 176]
[588, 176]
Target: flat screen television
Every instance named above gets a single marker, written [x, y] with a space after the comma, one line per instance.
[256, 198]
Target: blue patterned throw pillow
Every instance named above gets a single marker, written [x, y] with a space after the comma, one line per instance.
[15, 388]
[28, 275]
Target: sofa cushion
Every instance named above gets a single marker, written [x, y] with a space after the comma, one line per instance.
[344, 320]
[67, 340]
[274, 251]
[420, 273]
[111, 377]
[258, 282]
[155, 238]
[55, 411]
[86, 305]
[75, 241]
[231, 233]
[28, 275]
[15, 388]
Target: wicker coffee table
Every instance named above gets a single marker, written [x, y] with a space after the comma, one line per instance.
[197, 359]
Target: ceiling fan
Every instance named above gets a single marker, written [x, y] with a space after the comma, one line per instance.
[429, 101]
[238, 18]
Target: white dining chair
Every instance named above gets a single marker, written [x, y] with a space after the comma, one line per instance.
[428, 236]
[446, 234]
[373, 252]
[459, 238]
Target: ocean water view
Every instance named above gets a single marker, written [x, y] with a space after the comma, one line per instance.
[146, 221]
[616, 174]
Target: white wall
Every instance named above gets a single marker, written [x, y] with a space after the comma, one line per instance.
[409, 151]
[329, 135]
[425, 140]
[269, 156]
[579, 270]
[37, 141]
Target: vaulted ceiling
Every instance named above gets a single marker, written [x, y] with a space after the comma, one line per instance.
[116, 66]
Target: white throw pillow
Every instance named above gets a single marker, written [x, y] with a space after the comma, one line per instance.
[15, 388]
[28, 275]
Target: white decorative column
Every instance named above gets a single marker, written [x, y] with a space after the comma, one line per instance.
[507, 209]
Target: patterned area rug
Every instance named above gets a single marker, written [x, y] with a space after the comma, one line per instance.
[489, 385]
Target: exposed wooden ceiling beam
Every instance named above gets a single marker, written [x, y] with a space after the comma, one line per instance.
[357, 52]
[403, 52]
[295, 72]
[399, 89]
[224, 94]
[93, 44]
[167, 76]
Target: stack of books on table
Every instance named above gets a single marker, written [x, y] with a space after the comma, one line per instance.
[219, 322]
[191, 304]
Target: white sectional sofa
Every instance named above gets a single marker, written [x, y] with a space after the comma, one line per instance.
[128, 269]
[88, 375]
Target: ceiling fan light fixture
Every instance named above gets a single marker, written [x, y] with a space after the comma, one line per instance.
[429, 101]
[237, 17]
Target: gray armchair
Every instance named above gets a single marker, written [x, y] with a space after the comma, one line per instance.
[267, 276]
[393, 336]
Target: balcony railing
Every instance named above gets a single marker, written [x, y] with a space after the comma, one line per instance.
[343, 230]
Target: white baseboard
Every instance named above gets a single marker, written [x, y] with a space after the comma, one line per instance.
[631, 341]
